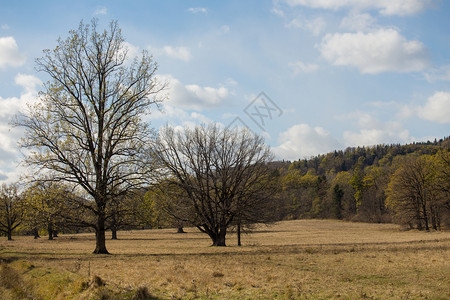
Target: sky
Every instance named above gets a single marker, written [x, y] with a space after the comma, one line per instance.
[311, 76]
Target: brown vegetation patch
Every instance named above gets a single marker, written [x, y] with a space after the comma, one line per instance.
[291, 260]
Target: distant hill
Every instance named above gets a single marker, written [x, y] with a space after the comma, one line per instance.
[353, 184]
[346, 160]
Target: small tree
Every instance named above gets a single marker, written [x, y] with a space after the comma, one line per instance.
[222, 176]
[11, 209]
[88, 127]
[45, 205]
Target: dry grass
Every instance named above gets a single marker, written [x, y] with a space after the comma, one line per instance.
[292, 260]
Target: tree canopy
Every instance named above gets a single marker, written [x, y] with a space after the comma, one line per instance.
[88, 127]
[221, 176]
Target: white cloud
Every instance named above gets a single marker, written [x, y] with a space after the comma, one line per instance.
[385, 7]
[28, 82]
[100, 11]
[391, 132]
[301, 67]
[10, 135]
[181, 53]
[316, 26]
[380, 51]
[436, 109]
[193, 96]
[196, 10]
[12, 105]
[372, 131]
[9, 53]
[358, 22]
[4, 27]
[302, 140]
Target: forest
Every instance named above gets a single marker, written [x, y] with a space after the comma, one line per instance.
[404, 184]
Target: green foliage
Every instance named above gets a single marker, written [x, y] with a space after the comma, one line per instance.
[352, 184]
[11, 209]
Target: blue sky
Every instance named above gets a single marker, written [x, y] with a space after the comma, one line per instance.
[334, 73]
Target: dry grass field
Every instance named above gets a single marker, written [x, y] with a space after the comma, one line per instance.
[305, 259]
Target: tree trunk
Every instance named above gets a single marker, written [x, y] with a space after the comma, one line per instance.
[9, 235]
[50, 231]
[433, 218]
[425, 217]
[100, 240]
[113, 233]
[180, 229]
[239, 234]
[218, 238]
[36, 233]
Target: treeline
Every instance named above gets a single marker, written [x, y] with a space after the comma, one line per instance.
[370, 184]
[406, 184]
[47, 208]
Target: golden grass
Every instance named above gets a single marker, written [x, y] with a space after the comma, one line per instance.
[291, 260]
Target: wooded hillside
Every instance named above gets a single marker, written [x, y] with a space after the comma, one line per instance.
[408, 184]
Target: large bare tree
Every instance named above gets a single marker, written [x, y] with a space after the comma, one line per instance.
[219, 177]
[88, 127]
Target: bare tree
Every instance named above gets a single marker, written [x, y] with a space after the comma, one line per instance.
[11, 209]
[413, 195]
[220, 176]
[88, 126]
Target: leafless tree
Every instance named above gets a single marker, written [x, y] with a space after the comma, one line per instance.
[217, 177]
[88, 126]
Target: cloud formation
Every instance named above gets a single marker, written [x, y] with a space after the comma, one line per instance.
[385, 7]
[9, 53]
[10, 135]
[371, 131]
[12, 105]
[436, 109]
[181, 53]
[383, 50]
[193, 96]
[302, 140]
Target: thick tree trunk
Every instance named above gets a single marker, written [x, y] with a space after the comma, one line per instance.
[218, 238]
[50, 231]
[113, 233]
[100, 240]
[9, 234]
[180, 229]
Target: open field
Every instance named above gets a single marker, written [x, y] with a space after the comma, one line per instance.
[291, 260]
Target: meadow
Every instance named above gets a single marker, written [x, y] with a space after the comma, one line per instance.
[303, 259]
